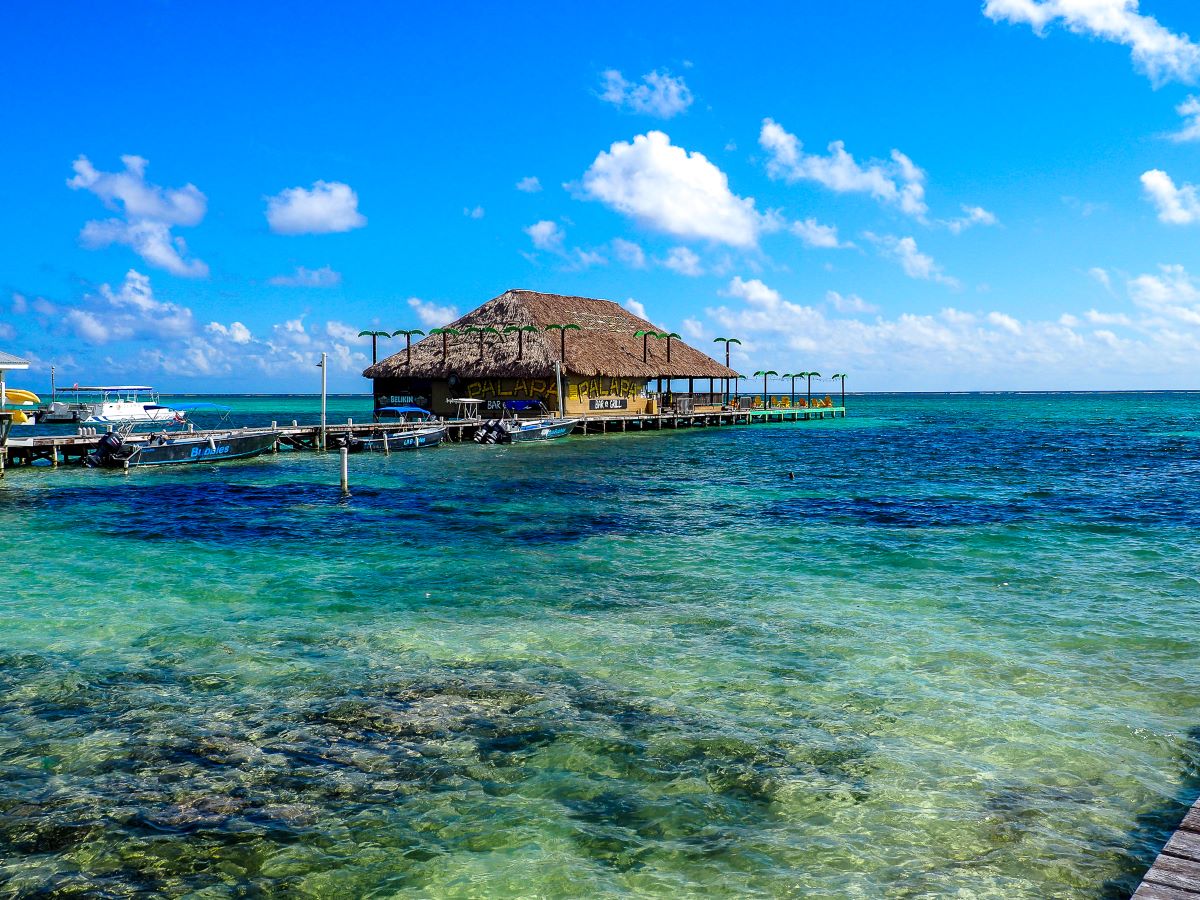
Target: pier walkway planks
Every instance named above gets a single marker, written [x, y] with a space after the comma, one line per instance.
[1175, 875]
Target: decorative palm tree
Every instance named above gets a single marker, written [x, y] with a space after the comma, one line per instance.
[408, 336]
[645, 336]
[727, 342]
[375, 336]
[792, 397]
[482, 330]
[445, 333]
[520, 332]
[562, 339]
[810, 376]
[764, 377]
[841, 376]
[668, 337]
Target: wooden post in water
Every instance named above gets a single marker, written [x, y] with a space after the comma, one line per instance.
[345, 471]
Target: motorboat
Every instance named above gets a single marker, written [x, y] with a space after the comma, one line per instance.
[122, 449]
[111, 405]
[518, 431]
[416, 428]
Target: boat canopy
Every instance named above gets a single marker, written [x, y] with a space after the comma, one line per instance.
[111, 387]
[402, 410]
[521, 405]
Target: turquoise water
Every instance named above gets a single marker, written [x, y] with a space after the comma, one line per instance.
[956, 654]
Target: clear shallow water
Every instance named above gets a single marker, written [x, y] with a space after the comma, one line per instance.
[958, 654]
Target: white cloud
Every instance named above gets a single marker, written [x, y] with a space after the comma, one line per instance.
[347, 334]
[546, 235]
[19, 304]
[629, 253]
[1101, 276]
[660, 94]
[328, 207]
[1173, 294]
[1175, 205]
[915, 264]
[683, 261]
[636, 307]
[694, 329]
[849, 304]
[302, 277]
[234, 332]
[1005, 321]
[897, 183]
[1160, 53]
[972, 215]
[529, 184]
[670, 190]
[473, 212]
[1189, 109]
[127, 313]
[148, 214]
[1095, 317]
[813, 234]
[432, 315]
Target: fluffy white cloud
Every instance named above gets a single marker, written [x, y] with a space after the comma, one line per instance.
[972, 215]
[1160, 53]
[1189, 109]
[683, 261]
[127, 313]
[473, 212]
[813, 234]
[849, 304]
[1175, 205]
[234, 332]
[302, 277]
[529, 184]
[546, 235]
[904, 251]
[148, 212]
[328, 207]
[899, 183]
[1155, 342]
[432, 315]
[636, 307]
[1172, 294]
[660, 94]
[666, 188]
[1101, 276]
[629, 253]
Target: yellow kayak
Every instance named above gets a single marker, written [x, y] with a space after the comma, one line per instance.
[18, 396]
[20, 418]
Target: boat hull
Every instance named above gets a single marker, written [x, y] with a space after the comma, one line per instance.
[394, 441]
[188, 450]
[538, 431]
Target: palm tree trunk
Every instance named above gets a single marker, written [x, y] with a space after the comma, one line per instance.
[374, 349]
[408, 349]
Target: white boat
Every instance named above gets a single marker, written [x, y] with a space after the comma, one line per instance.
[110, 405]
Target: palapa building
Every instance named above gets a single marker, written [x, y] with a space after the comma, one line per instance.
[506, 350]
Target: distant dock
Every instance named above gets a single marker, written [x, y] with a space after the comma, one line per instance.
[1175, 875]
[68, 449]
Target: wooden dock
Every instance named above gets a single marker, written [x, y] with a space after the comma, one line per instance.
[1175, 875]
[67, 449]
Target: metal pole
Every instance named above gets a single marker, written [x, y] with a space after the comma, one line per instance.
[324, 384]
[558, 387]
[52, 388]
[345, 470]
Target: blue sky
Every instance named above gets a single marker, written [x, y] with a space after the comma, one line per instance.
[204, 197]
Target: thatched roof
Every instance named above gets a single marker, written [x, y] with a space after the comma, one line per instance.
[604, 345]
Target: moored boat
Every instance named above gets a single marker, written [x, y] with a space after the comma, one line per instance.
[422, 430]
[519, 431]
[118, 451]
[110, 405]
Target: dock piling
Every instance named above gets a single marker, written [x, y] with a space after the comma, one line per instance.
[345, 471]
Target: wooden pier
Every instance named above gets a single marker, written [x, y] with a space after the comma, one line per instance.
[1175, 875]
[68, 449]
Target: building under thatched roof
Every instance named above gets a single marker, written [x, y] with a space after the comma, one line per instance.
[602, 367]
[605, 344]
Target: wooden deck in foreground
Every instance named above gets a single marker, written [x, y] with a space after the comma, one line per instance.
[66, 449]
[1175, 875]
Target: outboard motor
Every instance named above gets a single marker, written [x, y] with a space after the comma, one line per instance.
[106, 451]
